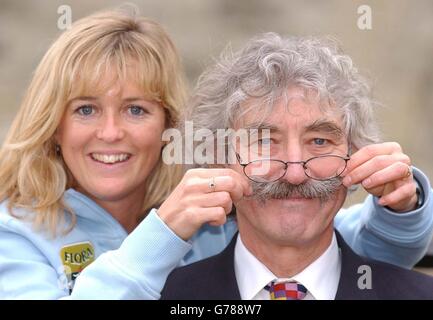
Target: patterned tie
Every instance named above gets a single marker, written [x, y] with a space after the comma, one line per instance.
[288, 290]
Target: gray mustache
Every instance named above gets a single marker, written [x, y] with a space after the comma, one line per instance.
[323, 190]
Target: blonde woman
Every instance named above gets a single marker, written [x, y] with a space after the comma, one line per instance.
[81, 176]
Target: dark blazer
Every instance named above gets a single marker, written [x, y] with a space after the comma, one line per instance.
[214, 279]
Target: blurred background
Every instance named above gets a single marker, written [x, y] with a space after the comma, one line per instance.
[395, 53]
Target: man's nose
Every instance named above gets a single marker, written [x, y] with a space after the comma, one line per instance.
[110, 129]
[295, 173]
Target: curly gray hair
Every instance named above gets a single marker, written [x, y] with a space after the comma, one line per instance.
[267, 67]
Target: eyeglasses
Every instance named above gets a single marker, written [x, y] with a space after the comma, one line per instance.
[323, 167]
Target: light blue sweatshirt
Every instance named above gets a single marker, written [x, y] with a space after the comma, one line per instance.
[135, 266]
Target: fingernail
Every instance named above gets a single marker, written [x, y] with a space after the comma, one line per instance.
[382, 202]
[366, 183]
[347, 181]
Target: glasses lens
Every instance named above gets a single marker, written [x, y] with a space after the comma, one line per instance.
[265, 170]
[325, 167]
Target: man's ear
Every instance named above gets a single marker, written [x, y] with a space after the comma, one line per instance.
[163, 145]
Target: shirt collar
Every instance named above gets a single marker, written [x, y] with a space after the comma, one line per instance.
[251, 275]
[321, 277]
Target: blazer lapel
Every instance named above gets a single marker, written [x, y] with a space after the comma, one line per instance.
[224, 277]
[348, 288]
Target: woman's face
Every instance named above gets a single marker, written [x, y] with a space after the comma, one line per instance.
[111, 142]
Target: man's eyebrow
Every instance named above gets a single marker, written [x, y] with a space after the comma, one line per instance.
[261, 126]
[325, 126]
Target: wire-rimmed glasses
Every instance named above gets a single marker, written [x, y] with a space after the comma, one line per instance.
[322, 167]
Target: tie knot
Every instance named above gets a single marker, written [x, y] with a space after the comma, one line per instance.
[287, 290]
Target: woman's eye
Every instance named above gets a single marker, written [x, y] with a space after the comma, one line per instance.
[137, 110]
[85, 110]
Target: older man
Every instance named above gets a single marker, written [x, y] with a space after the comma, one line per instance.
[317, 109]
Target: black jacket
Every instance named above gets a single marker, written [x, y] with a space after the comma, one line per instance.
[214, 279]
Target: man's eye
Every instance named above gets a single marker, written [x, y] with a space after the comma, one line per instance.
[85, 110]
[137, 110]
[265, 141]
[319, 141]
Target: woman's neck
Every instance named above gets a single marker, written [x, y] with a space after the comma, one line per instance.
[127, 210]
[127, 213]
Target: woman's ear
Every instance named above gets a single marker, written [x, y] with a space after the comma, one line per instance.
[56, 136]
[56, 140]
[58, 150]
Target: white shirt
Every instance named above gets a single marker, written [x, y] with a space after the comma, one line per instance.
[321, 277]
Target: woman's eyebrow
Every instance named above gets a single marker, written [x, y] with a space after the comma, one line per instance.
[129, 99]
[84, 98]
[134, 99]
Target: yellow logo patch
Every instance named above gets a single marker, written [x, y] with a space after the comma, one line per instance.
[75, 257]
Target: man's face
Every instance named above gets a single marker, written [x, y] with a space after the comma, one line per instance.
[299, 130]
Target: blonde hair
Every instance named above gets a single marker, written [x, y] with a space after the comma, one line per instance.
[32, 174]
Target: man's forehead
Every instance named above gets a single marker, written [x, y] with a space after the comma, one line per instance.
[300, 112]
[319, 125]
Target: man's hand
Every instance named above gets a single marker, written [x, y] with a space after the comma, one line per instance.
[384, 171]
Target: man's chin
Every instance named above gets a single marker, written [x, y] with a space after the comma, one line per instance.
[289, 233]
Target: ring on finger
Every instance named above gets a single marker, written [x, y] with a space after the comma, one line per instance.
[212, 185]
[409, 171]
